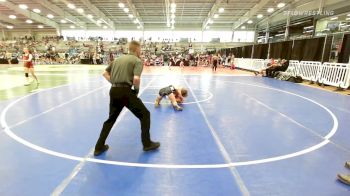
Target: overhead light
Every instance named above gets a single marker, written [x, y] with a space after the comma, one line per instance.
[136, 21]
[121, 5]
[126, 10]
[131, 16]
[281, 5]
[207, 27]
[2, 0]
[12, 16]
[216, 15]
[298, 23]
[250, 22]
[72, 27]
[260, 16]
[29, 21]
[23, 6]
[243, 27]
[63, 21]
[348, 15]
[173, 10]
[173, 16]
[309, 27]
[347, 19]
[36, 10]
[334, 18]
[50, 16]
[69, 20]
[279, 35]
[9, 27]
[80, 10]
[173, 5]
[40, 26]
[221, 10]
[105, 27]
[343, 25]
[270, 10]
[71, 6]
[90, 16]
[102, 20]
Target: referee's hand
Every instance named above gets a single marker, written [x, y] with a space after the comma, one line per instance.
[135, 91]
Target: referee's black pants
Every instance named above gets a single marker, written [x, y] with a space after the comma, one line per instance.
[121, 97]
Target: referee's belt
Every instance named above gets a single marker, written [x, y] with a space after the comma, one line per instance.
[121, 85]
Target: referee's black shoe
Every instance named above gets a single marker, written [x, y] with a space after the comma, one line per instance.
[100, 151]
[151, 146]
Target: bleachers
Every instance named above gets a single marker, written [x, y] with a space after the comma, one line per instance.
[333, 74]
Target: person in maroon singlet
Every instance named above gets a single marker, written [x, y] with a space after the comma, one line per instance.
[28, 66]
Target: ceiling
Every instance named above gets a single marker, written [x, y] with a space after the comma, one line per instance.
[151, 14]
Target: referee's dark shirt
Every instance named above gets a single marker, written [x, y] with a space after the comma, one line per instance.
[124, 68]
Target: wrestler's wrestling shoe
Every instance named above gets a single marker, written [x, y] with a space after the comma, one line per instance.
[177, 108]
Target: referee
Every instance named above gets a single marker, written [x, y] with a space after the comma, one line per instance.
[123, 73]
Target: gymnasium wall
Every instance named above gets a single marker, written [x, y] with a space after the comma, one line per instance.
[315, 49]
